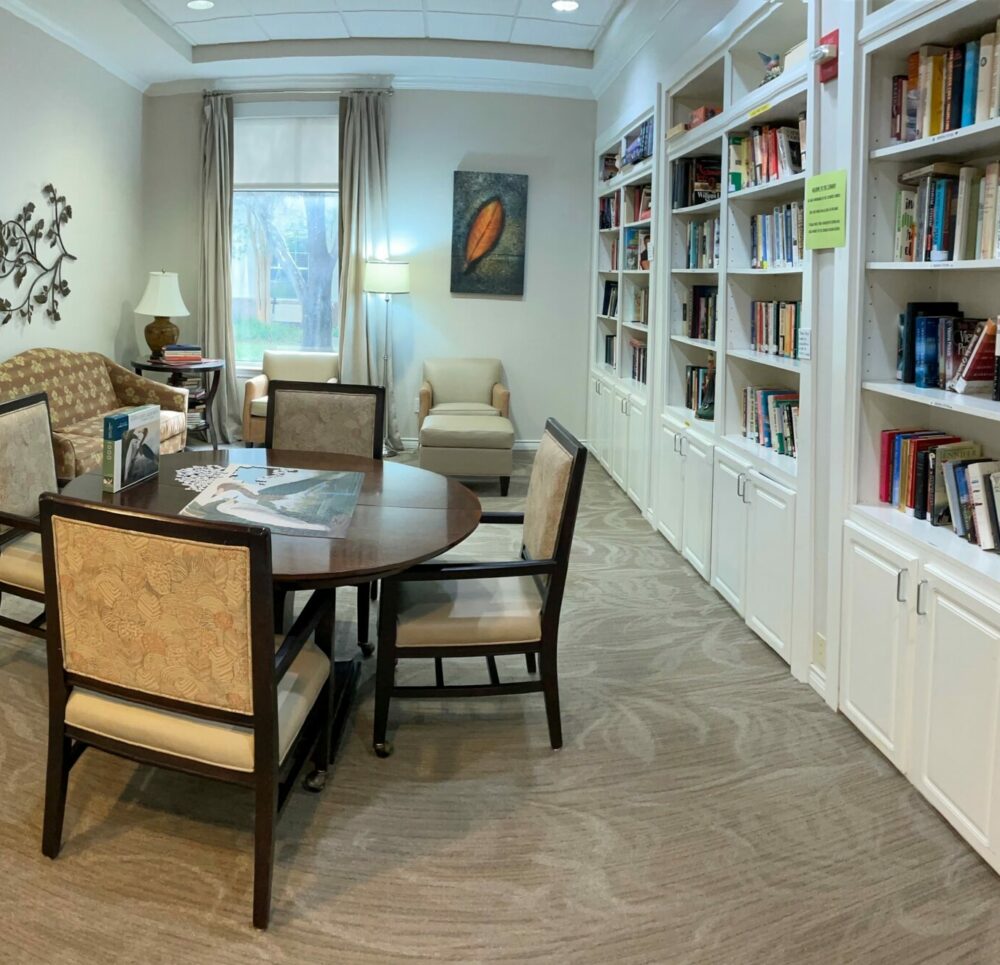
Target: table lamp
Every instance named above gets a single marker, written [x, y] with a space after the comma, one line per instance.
[161, 299]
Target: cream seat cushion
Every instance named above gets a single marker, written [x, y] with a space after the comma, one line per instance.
[21, 562]
[467, 432]
[210, 742]
[463, 408]
[442, 612]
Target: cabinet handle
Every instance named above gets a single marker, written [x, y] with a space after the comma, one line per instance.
[741, 482]
[683, 439]
[746, 493]
[597, 387]
[677, 440]
[920, 598]
[899, 585]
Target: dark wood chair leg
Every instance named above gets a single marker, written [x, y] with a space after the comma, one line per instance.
[363, 619]
[323, 752]
[374, 586]
[56, 784]
[265, 819]
[550, 687]
[529, 659]
[284, 605]
[491, 663]
[385, 676]
[504, 485]
[439, 671]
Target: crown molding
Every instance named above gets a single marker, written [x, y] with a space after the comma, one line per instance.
[493, 85]
[24, 12]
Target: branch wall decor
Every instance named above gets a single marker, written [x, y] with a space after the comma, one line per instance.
[22, 253]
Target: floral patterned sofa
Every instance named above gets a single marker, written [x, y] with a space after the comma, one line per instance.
[82, 388]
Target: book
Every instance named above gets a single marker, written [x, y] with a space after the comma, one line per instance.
[975, 374]
[131, 447]
[979, 492]
[940, 509]
[970, 84]
[909, 332]
[926, 364]
[984, 80]
[992, 495]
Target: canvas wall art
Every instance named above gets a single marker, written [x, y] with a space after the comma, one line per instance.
[488, 233]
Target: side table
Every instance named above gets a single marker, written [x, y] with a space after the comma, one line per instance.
[200, 399]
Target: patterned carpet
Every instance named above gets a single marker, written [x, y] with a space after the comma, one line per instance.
[705, 809]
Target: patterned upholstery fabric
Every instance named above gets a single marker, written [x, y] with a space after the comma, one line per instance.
[165, 616]
[21, 562]
[546, 498]
[324, 422]
[27, 466]
[82, 386]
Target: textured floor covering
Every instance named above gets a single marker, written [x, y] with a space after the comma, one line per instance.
[705, 809]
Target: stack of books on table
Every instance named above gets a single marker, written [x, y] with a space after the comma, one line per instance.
[182, 354]
[943, 479]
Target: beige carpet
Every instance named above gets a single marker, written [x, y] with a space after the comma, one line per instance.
[706, 808]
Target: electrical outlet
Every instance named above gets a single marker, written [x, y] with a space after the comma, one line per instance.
[416, 405]
[819, 651]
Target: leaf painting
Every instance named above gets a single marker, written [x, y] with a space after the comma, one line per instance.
[488, 233]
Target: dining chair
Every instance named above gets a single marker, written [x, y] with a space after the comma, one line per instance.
[27, 469]
[335, 418]
[161, 649]
[462, 609]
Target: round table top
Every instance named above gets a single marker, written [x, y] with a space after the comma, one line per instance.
[404, 515]
[158, 365]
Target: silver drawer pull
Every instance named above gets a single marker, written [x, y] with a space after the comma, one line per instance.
[920, 598]
[900, 598]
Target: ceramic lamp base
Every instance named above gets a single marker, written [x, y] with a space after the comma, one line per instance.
[159, 333]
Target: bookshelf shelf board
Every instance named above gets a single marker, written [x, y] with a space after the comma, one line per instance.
[940, 538]
[607, 318]
[706, 207]
[641, 223]
[702, 343]
[757, 107]
[694, 271]
[636, 326]
[765, 358]
[608, 231]
[635, 271]
[962, 142]
[686, 416]
[758, 272]
[607, 271]
[980, 406]
[637, 173]
[704, 139]
[972, 264]
[793, 184]
[771, 463]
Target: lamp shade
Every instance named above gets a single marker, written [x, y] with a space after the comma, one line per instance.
[387, 277]
[162, 296]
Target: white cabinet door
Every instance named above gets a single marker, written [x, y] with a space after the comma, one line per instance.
[770, 543]
[876, 676]
[593, 415]
[637, 452]
[956, 751]
[697, 535]
[619, 439]
[669, 485]
[605, 423]
[729, 530]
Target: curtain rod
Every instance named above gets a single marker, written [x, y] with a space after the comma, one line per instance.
[285, 91]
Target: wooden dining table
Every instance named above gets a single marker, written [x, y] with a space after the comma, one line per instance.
[404, 516]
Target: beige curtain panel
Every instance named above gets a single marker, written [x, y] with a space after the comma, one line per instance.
[215, 291]
[364, 234]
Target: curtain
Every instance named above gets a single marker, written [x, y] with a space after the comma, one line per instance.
[364, 234]
[215, 292]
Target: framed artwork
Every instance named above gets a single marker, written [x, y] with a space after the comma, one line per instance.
[488, 233]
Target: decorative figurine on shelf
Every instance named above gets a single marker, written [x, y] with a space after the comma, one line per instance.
[772, 67]
[706, 410]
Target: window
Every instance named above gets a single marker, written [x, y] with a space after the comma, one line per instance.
[285, 265]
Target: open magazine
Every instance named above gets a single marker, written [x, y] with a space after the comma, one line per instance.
[289, 502]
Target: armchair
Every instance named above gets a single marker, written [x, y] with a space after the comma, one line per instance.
[463, 387]
[287, 366]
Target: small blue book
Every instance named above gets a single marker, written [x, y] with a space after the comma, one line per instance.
[927, 351]
[971, 80]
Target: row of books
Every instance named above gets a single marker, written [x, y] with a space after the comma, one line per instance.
[946, 88]
[774, 327]
[765, 153]
[609, 304]
[638, 360]
[700, 312]
[639, 146]
[642, 202]
[703, 243]
[640, 305]
[609, 212]
[610, 349]
[777, 239]
[938, 347]
[182, 354]
[699, 387]
[696, 180]
[943, 479]
[770, 417]
[637, 249]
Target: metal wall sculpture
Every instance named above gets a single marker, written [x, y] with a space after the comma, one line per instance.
[33, 255]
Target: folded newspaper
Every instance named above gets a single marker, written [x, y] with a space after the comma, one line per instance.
[289, 502]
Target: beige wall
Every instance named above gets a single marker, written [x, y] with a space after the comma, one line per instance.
[68, 122]
[541, 338]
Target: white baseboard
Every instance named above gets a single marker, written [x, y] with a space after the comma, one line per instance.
[817, 680]
[520, 445]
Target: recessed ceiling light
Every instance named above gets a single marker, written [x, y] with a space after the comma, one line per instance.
[201, 4]
[565, 6]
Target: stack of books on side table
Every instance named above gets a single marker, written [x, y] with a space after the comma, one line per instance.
[181, 354]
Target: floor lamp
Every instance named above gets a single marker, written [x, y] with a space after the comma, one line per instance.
[387, 278]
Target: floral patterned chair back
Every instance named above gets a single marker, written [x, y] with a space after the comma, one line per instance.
[27, 465]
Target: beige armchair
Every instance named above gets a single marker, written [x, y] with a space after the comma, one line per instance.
[463, 387]
[289, 367]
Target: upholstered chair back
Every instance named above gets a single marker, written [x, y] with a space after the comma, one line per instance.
[302, 366]
[325, 417]
[548, 492]
[158, 616]
[462, 380]
[27, 464]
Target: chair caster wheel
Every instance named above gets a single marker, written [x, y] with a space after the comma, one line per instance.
[315, 782]
[367, 649]
[383, 750]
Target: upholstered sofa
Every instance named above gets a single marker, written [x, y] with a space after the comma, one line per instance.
[83, 387]
[289, 367]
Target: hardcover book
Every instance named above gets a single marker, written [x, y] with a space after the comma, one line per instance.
[131, 447]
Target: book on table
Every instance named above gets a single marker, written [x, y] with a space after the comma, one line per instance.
[131, 447]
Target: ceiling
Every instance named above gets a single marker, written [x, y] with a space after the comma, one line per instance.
[497, 21]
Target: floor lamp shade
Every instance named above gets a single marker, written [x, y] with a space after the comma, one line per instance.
[387, 277]
[161, 299]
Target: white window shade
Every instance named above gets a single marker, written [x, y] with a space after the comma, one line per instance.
[286, 152]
